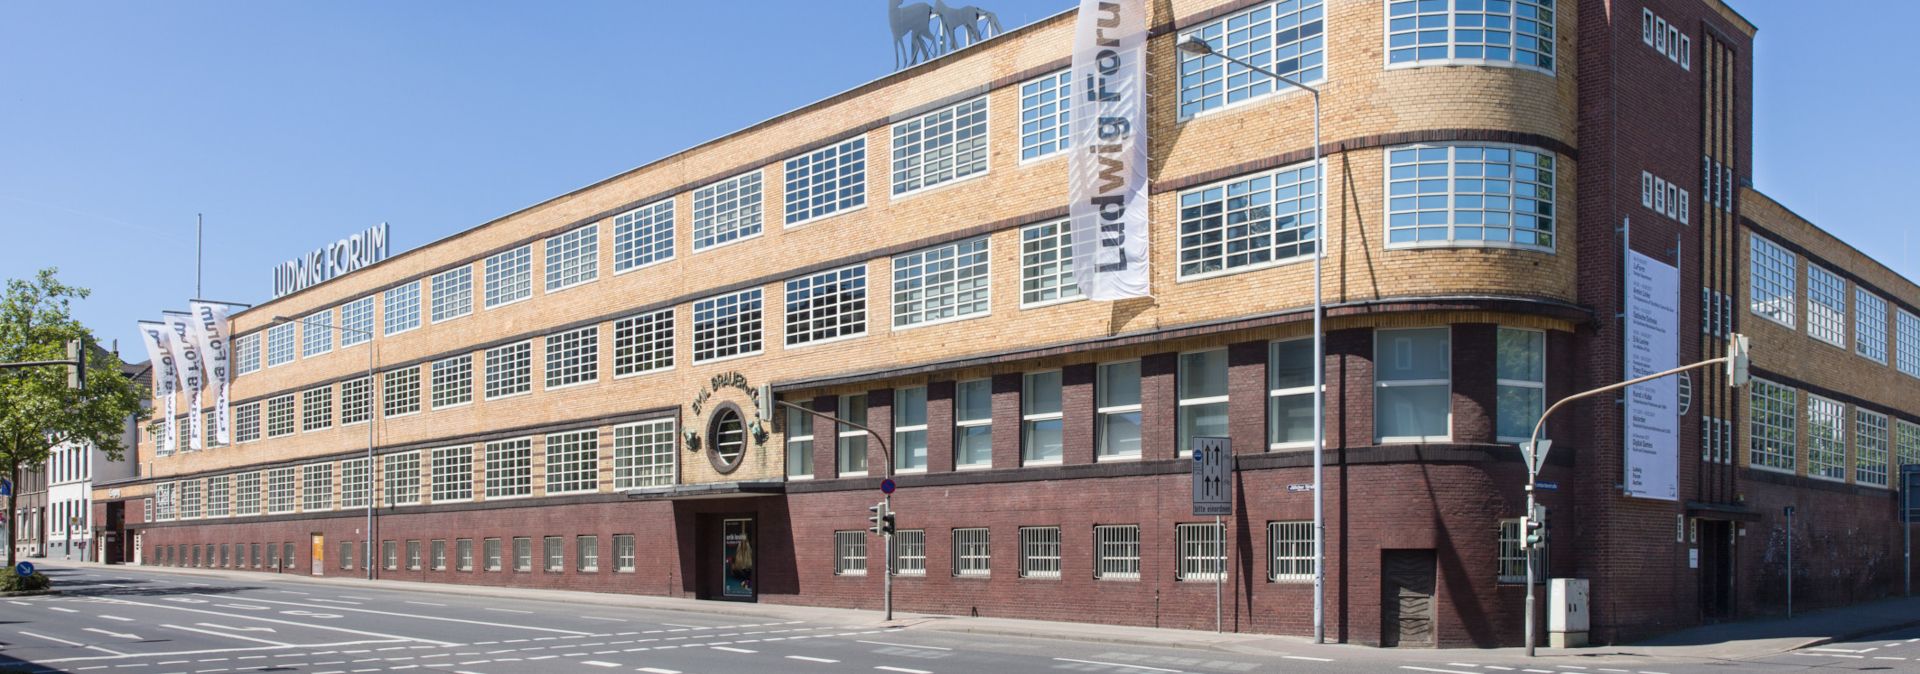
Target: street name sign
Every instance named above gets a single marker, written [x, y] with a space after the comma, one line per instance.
[1212, 476]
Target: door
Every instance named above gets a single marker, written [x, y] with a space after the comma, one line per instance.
[1716, 569]
[736, 573]
[1406, 597]
[319, 554]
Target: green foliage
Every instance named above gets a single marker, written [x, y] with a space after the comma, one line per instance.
[15, 583]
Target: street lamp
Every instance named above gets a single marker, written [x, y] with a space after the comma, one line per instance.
[886, 599]
[1200, 48]
[366, 545]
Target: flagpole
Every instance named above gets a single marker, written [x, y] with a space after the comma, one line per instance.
[199, 248]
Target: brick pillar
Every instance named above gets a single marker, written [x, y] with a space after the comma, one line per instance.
[1474, 392]
[1561, 360]
[1159, 406]
[825, 438]
[880, 419]
[1006, 420]
[940, 427]
[1349, 379]
[1077, 411]
[1247, 397]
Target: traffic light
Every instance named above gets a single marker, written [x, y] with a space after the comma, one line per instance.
[1738, 357]
[1533, 527]
[77, 372]
[886, 523]
[877, 517]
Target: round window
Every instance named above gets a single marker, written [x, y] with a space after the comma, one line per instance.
[727, 434]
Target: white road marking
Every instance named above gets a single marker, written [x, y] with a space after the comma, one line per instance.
[595, 617]
[122, 635]
[903, 670]
[268, 642]
[731, 649]
[1437, 671]
[428, 617]
[1307, 658]
[115, 617]
[53, 639]
[1844, 650]
[348, 596]
[600, 663]
[657, 670]
[425, 603]
[691, 627]
[808, 659]
[335, 601]
[1097, 662]
[507, 610]
[888, 643]
[390, 637]
[62, 610]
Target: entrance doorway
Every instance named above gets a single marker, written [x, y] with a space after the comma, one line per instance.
[736, 540]
[1715, 542]
[319, 554]
[1406, 597]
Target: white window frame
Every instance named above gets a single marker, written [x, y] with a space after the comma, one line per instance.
[850, 553]
[452, 294]
[640, 451]
[1826, 306]
[1450, 199]
[451, 474]
[960, 424]
[1030, 418]
[735, 211]
[1290, 546]
[1184, 442]
[572, 358]
[1046, 104]
[1773, 437]
[1103, 409]
[910, 552]
[400, 305]
[451, 382]
[847, 437]
[846, 189]
[586, 553]
[1046, 265]
[246, 422]
[219, 496]
[246, 354]
[356, 400]
[1771, 273]
[286, 414]
[798, 444]
[1500, 382]
[624, 553]
[637, 345]
[843, 292]
[1869, 325]
[356, 483]
[573, 258]
[741, 334]
[1310, 52]
[1871, 448]
[316, 409]
[248, 494]
[1453, 59]
[507, 475]
[1273, 349]
[400, 479]
[522, 376]
[908, 174]
[940, 261]
[394, 396]
[1200, 551]
[901, 461]
[572, 462]
[972, 552]
[1826, 456]
[1380, 384]
[1116, 550]
[508, 277]
[1040, 552]
[280, 337]
[1906, 443]
[1210, 209]
[279, 490]
[643, 237]
[1906, 343]
[316, 339]
[316, 487]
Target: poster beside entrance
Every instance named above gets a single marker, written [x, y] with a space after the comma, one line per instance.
[738, 558]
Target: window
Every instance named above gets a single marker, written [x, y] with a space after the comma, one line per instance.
[1513, 556]
[1646, 26]
[345, 554]
[1046, 106]
[1039, 552]
[643, 454]
[727, 326]
[1287, 37]
[400, 392]
[317, 338]
[1826, 438]
[1290, 394]
[556, 550]
[1771, 274]
[280, 344]
[356, 483]
[573, 462]
[910, 428]
[246, 494]
[1290, 550]
[827, 306]
[189, 505]
[492, 552]
[452, 474]
[587, 550]
[799, 430]
[389, 555]
[273, 556]
[1412, 379]
[280, 490]
[1041, 420]
[1116, 549]
[452, 293]
[509, 370]
[623, 552]
[643, 343]
[1773, 437]
[573, 258]
[826, 181]
[509, 276]
[1521, 373]
[1046, 264]
[573, 357]
[1907, 342]
[940, 147]
[1716, 440]
[850, 553]
[643, 236]
[1470, 195]
[1906, 443]
[402, 483]
[726, 211]
[1248, 223]
[1202, 551]
[316, 409]
[940, 284]
[246, 353]
[851, 448]
[1424, 32]
[316, 493]
[1869, 448]
[1826, 306]
[280, 416]
[522, 554]
[1203, 396]
[439, 554]
[463, 554]
[910, 552]
[972, 552]
[510, 468]
[167, 508]
[356, 401]
[453, 381]
[973, 424]
[219, 496]
[413, 555]
[246, 422]
[402, 308]
[1869, 325]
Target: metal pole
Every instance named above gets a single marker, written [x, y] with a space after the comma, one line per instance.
[366, 544]
[1220, 573]
[1319, 388]
[886, 536]
[1529, 548]
[1906, 527]
[886, 601]
[199, 223]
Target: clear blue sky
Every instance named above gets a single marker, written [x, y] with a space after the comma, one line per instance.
[290, 124]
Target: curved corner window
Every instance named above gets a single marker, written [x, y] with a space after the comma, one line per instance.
[1470, 32]
[1470, 195]
[729, 437]
[1288, 37]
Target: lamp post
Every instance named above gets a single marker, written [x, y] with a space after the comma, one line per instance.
[886, 599]
[366, 545]
[1200, 48]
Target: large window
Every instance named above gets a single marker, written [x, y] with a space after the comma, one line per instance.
[1041, 419]
[246, 422]
[1202, 551]
[522, 554]
[246, 354]
[851, 447]
[727, 326]
[910, 428]
[850, 553]
[1774, 436]
[1288, 37]
[317, 338]
[1521, 371]
[941, 283]
[453, 381]
[623, 552]
[356, 483]
[1248, 223]
[452, 474]
[1039, 552]
[1470, 195]
[1117, 403]
[556, 554]
[587, 553]
[490, 548]
[509, 370]
[316, 409]
[400, 392]
[1771, 280]
[910, 552]
[1471, 32]
[463, 554]
[799, 433]
[1869, 448]
[940, 147]
[280, 482]
[401, 308]
[280, 416]
[1412, 379]
[643, 454]
[1290, 552]
[189, 505]
[280, 344]
[1826, 306]
[356, 400]
[972, 552]
[643, 236]
[452, 293]
[1906, 342]
[826, 181]
[827, 306]
[973, 424]
[1513, 556]
[726, 211]
[1826, 438]
[401, 483]
[1906, 443]
[316, 489]
[1203, 396]
[573, 357]
[356, 322]
[510, 468]
[219, 496]
[1046, 264]
[246, 494]
[1869, 325]
[1116, 550]
[643, 343]
[573, 258]
[1290, 394]
[1046, 107]
[509, 276]
[573, 462]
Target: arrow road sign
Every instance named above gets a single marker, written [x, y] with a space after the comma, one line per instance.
[1212, 476]
[24, 569]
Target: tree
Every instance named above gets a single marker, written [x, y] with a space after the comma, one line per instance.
[38, 411]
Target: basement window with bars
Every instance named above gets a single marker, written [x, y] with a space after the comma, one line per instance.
[438, 555]
[623, 553]
[452, 293]
[573, 357]
[1513, 556]
[573, 258]
[523, 554]
[727, 326]
[643, 343]
[972, 552]
[1288, 37]
[850, 553]
[910, 552]
[1771, 273]
[1116, 549]
[726, 211]
[1040, 552]
[463, 554]
[556, 549]
[830, 180]
[390, 555]
[492, 551]
[509, 276]
[413, 555]
[1200, 547]
[1290, 552]
[643, 236]
[452, 474]
[587, 553]
[1773, 437]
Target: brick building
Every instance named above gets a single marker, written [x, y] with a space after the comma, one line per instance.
[563, 395]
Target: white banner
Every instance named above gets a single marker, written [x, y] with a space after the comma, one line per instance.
[1107, 166]
[210, 334]
[1653, 408]
[187, 357]
[160, 359]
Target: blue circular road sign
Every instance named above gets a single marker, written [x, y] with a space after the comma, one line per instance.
[24, 569]
[887, 486]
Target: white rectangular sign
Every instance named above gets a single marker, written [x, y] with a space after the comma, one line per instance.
[1653, 409]
[331, 260]
[158, 338]
[1212, 476]
[186, 358]
[210, 334]
[1107, 161]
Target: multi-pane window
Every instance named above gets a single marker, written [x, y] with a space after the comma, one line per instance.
[573, 357]
[316, 488]
[1039, 552]
[799, 431]
[1248, 223]
[316, 409]
[452, 293]
[1771, 272]
[1046, 107]
[573, 258]
[1290, 551]
[643, 454]
[1521, 375]
[1042, 422]
[219, 496]
[491, 550]
[1412, 385]
[246, 354]
[1287, 37]
[941, 283]
[1906, 445]
[726, 211]
[1774, 434]
[401, 484]
[356, 322]
[1203, 396]
[910, 428]
[439, 554]
[973, 423]
[587, 550]
[1422, 32]
[400, 391]
[280, 483]
[1470, 195]
[509, 370]
[452, 474]
[972, 552]
[1117, 404]
[850, 447]
[280, 416]
[1826, 306]
[1826, 438]
[246, 422]
[1046, 264]
[1202, 551]
[453, 381]
[390, 555]
[510, 468]
[850, 553]
[573, 462]
[1116, 552]
[1869, 325]
[1906, 342]
[827, 306]
[400, 308]
[280, 344]
[189, 504]
[1869, 448]
[317, 337]
[727, 326]
[643, 236]
[246, 494]
[509, 276]
[167, 507]
[1513, 556]
[556, 549]
[826, 181]
[356, 400]
[623, 552]
[356, 483]
[1716, 440]
[910, 552]
[463, 554]
[1290, 394]
[643, 343]
[940, 147]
